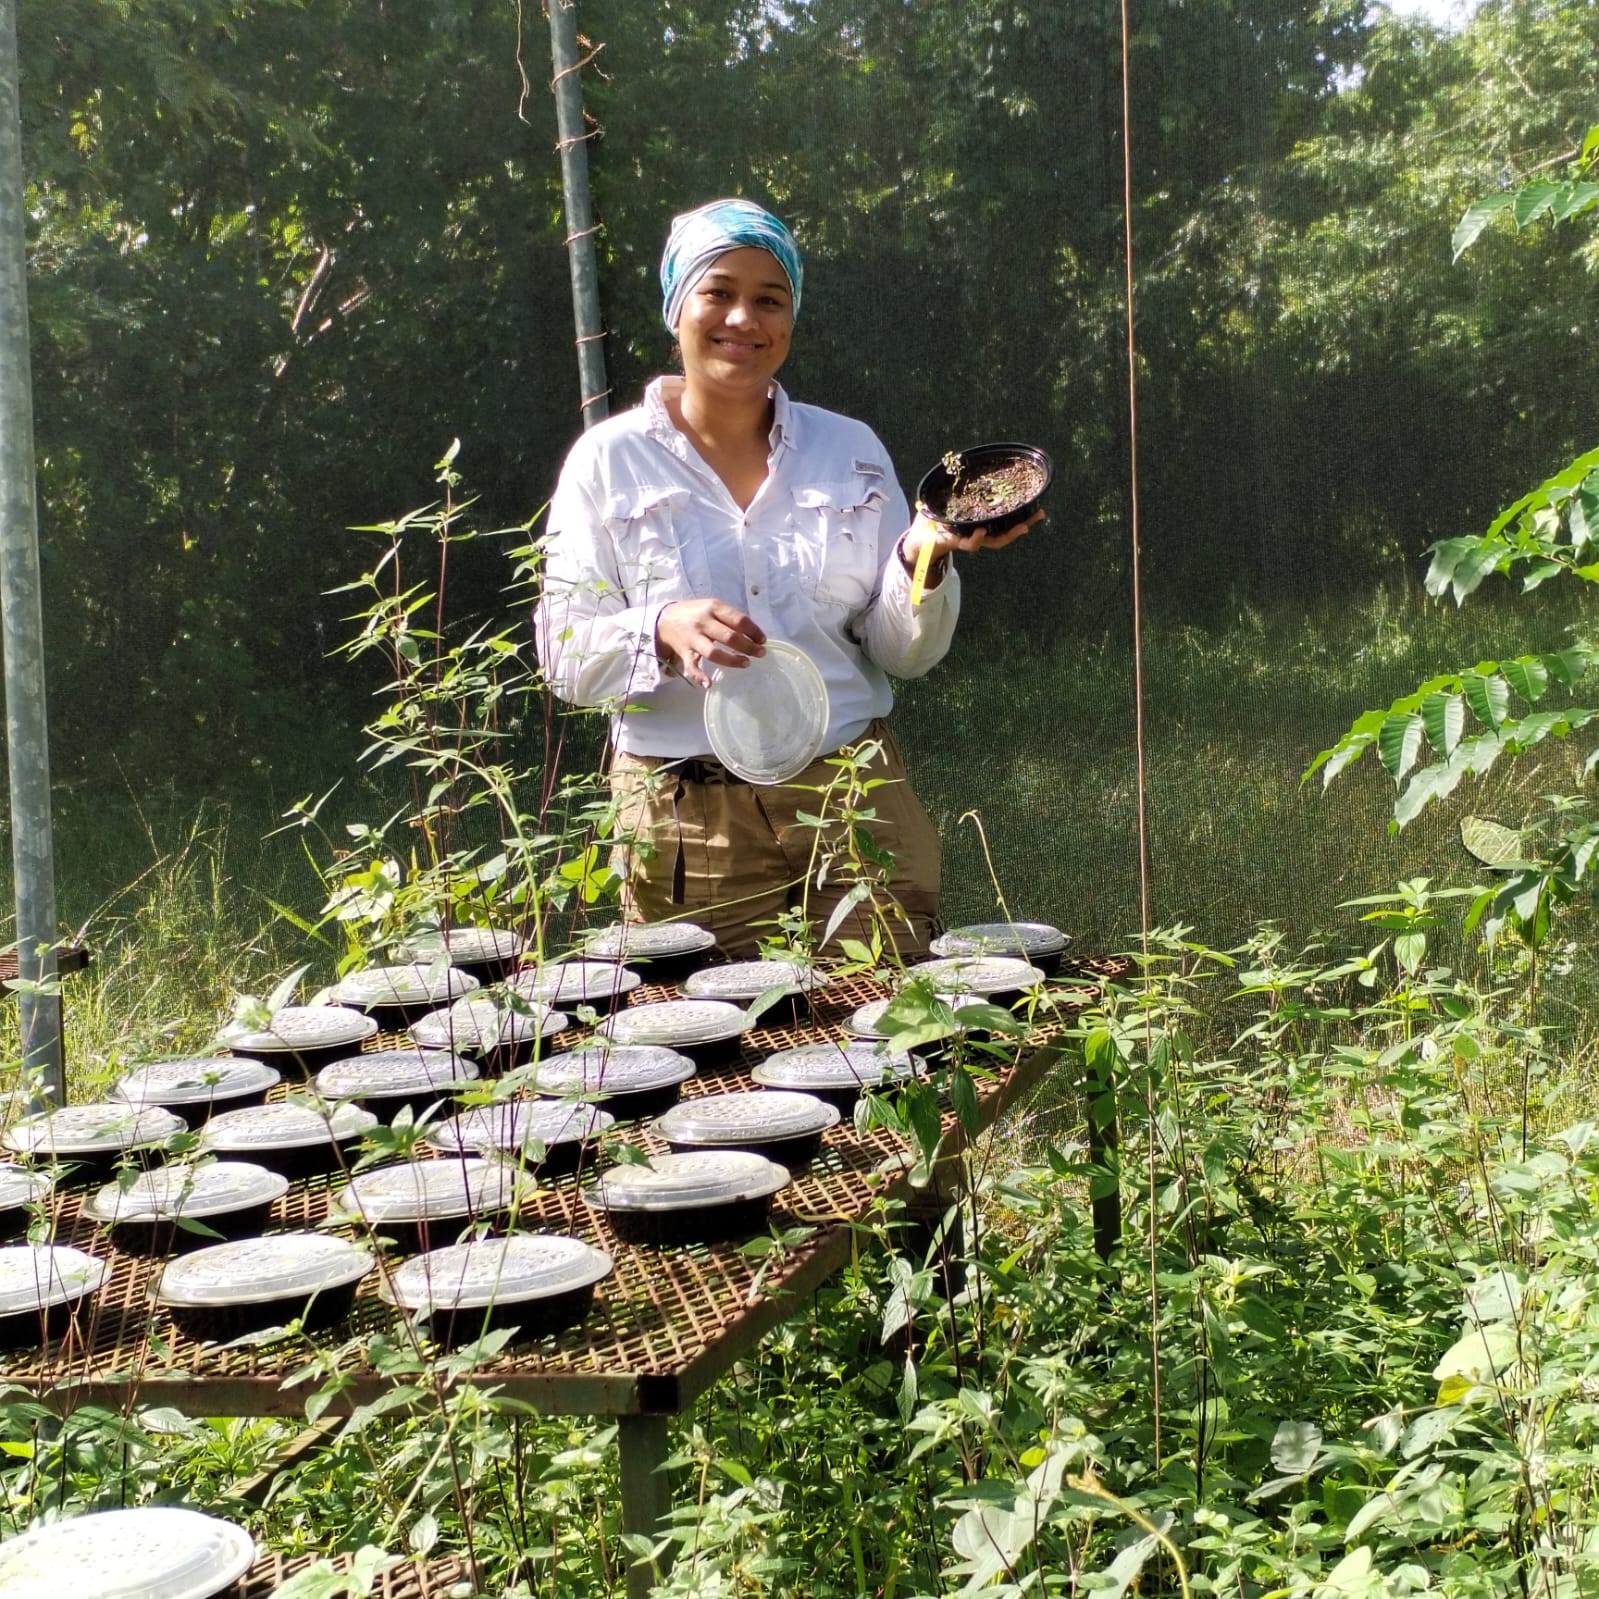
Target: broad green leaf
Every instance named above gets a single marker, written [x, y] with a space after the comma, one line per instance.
[1573, 199]
[1478, 215]
[1399, 743]
[1444, 718]
[1528, 676]
[1532, 200]
[1490, 842]
[1349, 1575]
[1488, 697]
[1409, 950]
[1484, 1354]
[1295, 1445]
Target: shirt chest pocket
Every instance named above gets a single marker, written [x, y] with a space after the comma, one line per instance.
[836, 529]
[658, 560]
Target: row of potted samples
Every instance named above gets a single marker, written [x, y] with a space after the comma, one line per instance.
[528, 1283]
[674, 949]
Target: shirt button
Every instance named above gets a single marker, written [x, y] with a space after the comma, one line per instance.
[755, 588]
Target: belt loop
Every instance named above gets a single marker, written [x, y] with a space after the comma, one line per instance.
[679, 868]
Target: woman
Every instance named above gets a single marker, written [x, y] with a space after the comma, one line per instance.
[684, 534]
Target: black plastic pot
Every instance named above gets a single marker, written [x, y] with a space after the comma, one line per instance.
[162, 1235]
[939, 484]
[707, 1224]
[222, 1323]
[528, 1318]
[794, 1153]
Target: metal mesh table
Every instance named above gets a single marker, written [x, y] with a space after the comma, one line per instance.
[663, 1327]
[408, 1580]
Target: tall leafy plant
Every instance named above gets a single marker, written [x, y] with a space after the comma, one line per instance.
[1458, 724]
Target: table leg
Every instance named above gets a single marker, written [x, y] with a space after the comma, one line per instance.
[646, 1494]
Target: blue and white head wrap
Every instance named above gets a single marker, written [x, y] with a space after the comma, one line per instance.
[698, 237]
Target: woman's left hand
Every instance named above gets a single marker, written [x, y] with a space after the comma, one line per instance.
[945, 540]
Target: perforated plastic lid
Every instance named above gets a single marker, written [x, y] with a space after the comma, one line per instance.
[496, 1271]
[417, 984]
[516, 1123]
[34, 1276]
[392, 1073]
[288, 1124]
[486, 1021]
[100, 1129]
[612, 1069]
[867, 1022]
[467, 944]
[1001, 938]
[977, 974]
[645, 939]
[743, 981]
[255, 1271]
[688, 1181]
[212, 1189]
[427, 1190]
[676, 1021]
[572, 982]
[307, 1027]
[765, 1114]
[19, 1185]
[812, 1066]
[155, 1552]
[196, 1081]
[768, 721]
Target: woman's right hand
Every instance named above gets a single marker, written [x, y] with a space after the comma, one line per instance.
[691, 632]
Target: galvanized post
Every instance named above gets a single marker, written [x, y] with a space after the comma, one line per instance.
[646, 1494]
[567, 85]
[21, 620]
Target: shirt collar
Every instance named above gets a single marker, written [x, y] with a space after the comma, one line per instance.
[658, 419]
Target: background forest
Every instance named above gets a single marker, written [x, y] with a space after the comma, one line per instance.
[283, 251]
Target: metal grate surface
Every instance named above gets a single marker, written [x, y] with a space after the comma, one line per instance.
[407, 1581]
[663, 1327]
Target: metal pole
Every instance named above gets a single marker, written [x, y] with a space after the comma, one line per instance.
[580, 229]
[646, 1494]
[21, 620]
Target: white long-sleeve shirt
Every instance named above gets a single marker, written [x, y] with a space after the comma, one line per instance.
[638, 521]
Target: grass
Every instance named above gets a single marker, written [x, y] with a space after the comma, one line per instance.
[175, 893]
[1312, 1252]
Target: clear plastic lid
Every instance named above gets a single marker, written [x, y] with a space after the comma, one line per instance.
[612, 1069]
[392, 1073]
[867, 1022]
[21, 1185]
[688, 1181]
[287, 1124]
[811, 1066]
[154, 1552]
[256, 1271]
[765, 1114]
[212, 1189]
[100, 1129]
[977, 974]
[743, 981]
[470, 945]
[514, 1124]
[646, 939]
[196, 1081]
[676, 1021]
[768, 721]
[35, 1276]
[496, 1271]
[573, 982]
[307, 1027]
[427, 1190]
[486, 1021]
[1001, 938]
[421, 983]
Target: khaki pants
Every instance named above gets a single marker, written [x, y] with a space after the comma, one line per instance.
[732, 856]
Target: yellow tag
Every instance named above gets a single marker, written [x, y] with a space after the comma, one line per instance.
[924, 559]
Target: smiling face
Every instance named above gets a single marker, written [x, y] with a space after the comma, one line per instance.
[736, 324]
